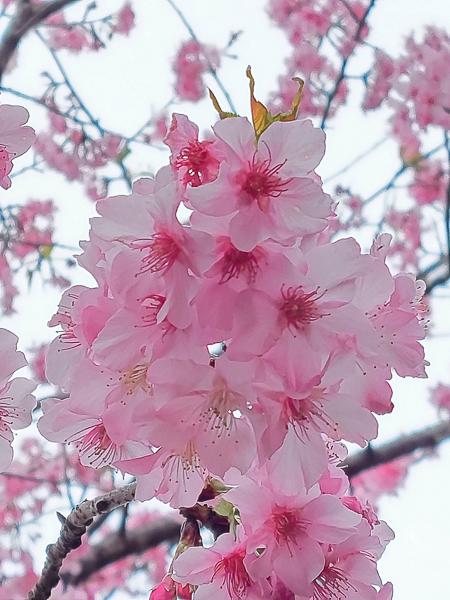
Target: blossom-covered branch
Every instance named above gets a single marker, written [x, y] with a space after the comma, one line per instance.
[116, 546]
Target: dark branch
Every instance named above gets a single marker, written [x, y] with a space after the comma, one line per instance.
[74, 527]
[342, 73]
[118, 545]
[369, 458]
[27, 17]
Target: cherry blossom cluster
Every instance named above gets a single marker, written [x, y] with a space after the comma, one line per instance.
[26, 240]
[88, 34]
[191, 62]
[229, 346]
[70, 151]
[324, 35]
[416, 87]
[20, 234]
[15, 139]
[319, 32]
[16, 399]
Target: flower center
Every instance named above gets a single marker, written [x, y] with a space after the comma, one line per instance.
[299, 309]
[306, 412]
[260, 182]
[235, 576]
[196, 159]
[236, 263]
[287, 524]
[136, 378]
[180, 465]
[8, 414]
[96, 444]
[218, 414]
[161, 252]
[332, 584]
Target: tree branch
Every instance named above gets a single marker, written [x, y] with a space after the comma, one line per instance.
[373, 457]
[27, 17]
[74, 527]
[345, 60]
[118, 545]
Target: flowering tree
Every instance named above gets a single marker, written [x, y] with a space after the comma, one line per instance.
[241, 325]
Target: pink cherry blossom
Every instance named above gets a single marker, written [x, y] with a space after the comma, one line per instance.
[382, 78]
[15, 139]
[220, 570]
[125, 20]
[266, 190]
[384, 479]
[175, 476]
[292, 529]
[195, 162]
[37, 364]
[74, 38]
[440, 396]
[72, 422]
[192, 60]
[16, 400]
[430, 183]
[350, 569]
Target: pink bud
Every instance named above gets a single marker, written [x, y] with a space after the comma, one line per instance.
[164, 591]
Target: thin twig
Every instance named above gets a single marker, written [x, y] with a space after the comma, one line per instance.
[400, 172]
[357, 159]
[341, 75]
[30, 478]
[75, 95]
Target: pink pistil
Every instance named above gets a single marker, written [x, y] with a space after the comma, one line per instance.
[235, 576]
[299, 309]
[162, 252]
[261, 182]
[331, 584]
[236, 263]
[287, 525]
[196, 158]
